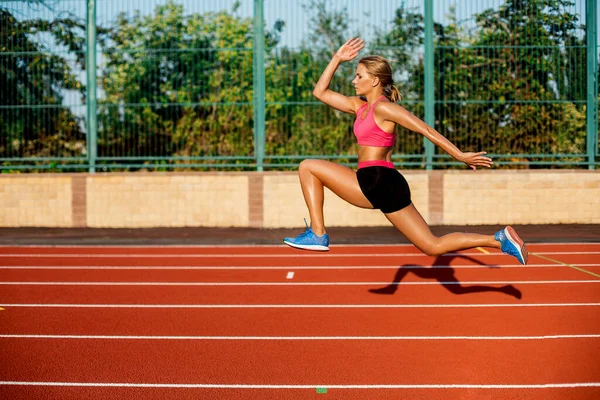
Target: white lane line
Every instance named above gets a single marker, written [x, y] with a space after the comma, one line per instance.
[290, 275]
[219, 255]
[299, 338]
[291, 255]
[419, 283]
[303, 267]
[208, 246]
[307, 306]
[244, 246]
[313, 386]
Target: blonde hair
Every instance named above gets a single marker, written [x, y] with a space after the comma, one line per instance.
[380, 68]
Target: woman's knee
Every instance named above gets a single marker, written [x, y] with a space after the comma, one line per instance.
[313, 168]
[432, 248]
[306, 166]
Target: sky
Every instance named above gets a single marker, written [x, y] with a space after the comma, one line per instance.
[379, 13]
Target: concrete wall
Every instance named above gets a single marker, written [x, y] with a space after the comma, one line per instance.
[274, 199]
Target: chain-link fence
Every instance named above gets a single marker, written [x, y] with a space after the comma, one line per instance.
[140, 84]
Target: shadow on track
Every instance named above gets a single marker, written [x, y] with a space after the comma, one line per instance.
[441, 271]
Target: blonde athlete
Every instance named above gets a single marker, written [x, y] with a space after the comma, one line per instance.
[377, 184]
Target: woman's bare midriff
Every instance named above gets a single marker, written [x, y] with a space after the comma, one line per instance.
[372, 153]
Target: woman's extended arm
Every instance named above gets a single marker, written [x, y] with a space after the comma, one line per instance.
[348, 51]
[399, 115]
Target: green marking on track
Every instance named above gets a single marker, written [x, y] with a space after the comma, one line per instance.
[321, 390]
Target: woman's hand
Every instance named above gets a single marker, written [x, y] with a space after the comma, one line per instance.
[474, 160]
[350, 49]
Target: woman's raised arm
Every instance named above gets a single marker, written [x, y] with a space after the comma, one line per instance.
[401, 116]
[348, 51]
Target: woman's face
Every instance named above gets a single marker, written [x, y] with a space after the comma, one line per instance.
[363, 81]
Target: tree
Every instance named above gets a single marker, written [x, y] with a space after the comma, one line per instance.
[179, 85]
[304, 126]
[34, 78]
[523, 45]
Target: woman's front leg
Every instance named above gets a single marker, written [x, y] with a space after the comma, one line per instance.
[341, 180]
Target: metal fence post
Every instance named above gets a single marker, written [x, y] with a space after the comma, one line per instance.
[258, 59]
[429, 82]
[591, 116]
[92, 105]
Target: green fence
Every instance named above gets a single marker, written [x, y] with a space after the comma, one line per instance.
[99, 85]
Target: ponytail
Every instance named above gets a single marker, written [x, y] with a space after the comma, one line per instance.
[392, 93]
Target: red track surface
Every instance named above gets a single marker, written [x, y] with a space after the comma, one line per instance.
[228, 323]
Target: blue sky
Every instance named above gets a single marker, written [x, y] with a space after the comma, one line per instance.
[379, 13]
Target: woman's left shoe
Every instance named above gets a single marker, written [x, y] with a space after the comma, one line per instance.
[512, 244]
[309, 241]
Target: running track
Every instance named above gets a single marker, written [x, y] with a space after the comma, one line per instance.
[359, 322]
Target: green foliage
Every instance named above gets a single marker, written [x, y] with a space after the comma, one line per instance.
[525, 73]
[178, 85]
[506, 85]
[309, 128]
[33, 120]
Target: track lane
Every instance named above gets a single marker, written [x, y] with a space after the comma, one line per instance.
[433, 293]
[406, 273]
[256, 260]
[266, 249]
[302, 362]
[119, 393]
[307, 259]
[301, 322]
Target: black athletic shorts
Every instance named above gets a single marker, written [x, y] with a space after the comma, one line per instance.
[384, 187]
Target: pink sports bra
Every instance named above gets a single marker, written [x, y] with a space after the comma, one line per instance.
[368, 132]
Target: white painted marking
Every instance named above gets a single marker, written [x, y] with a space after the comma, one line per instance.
[201, 246]
[219, 255]
[313, 386]
[290, 275]
[308, 306]
[241, 255]
[309, 338]
[303, 267]
[419, 283]
[242, 246]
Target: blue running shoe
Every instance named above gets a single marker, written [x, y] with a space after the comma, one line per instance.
[512, 244]
[309, 241]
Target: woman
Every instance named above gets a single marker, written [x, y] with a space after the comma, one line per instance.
[376, 183]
